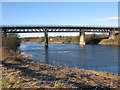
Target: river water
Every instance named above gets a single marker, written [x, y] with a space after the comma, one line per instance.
[91, 57]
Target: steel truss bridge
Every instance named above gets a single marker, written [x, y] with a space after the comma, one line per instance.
[46, 29]
[33, 29]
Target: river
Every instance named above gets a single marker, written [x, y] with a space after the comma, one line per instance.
[90, 57]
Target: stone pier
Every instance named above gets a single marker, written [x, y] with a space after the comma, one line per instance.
[112, 34]
[82, 38]
[46, 38]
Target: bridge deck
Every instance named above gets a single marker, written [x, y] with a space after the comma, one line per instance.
[33, 29]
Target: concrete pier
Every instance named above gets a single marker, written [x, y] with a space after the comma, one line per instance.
[46, 39]
[112, 34]
[82, 38]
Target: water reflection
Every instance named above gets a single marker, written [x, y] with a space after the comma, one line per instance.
[46, 55]
[82, 47]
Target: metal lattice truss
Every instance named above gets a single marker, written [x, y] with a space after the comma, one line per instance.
[33, 29]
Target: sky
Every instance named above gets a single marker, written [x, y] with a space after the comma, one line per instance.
[60, 13]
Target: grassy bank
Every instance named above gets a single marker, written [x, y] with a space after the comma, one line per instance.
[115, 41]
[21, 72]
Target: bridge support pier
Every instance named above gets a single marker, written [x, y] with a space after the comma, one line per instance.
[112, 34]
[82, 38]
[46, 39]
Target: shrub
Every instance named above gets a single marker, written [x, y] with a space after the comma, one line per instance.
[11, 42]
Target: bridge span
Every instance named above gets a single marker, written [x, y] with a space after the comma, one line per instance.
[46, 29]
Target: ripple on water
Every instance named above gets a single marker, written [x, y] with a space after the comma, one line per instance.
[98, 57]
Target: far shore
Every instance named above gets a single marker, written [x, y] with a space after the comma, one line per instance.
[89, 39]
[53, 42]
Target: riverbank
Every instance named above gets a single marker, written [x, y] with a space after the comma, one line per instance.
[21, 72]
[109, 42]
[115, 41]
[53, 42]
[90, 39]
[102, 42]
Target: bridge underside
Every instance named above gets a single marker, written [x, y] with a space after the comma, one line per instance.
[54, 30]
[46, 29]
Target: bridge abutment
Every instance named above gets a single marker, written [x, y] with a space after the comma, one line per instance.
[46, 39]
[82, 38]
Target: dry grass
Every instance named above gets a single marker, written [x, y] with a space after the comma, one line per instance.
[115, 41]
